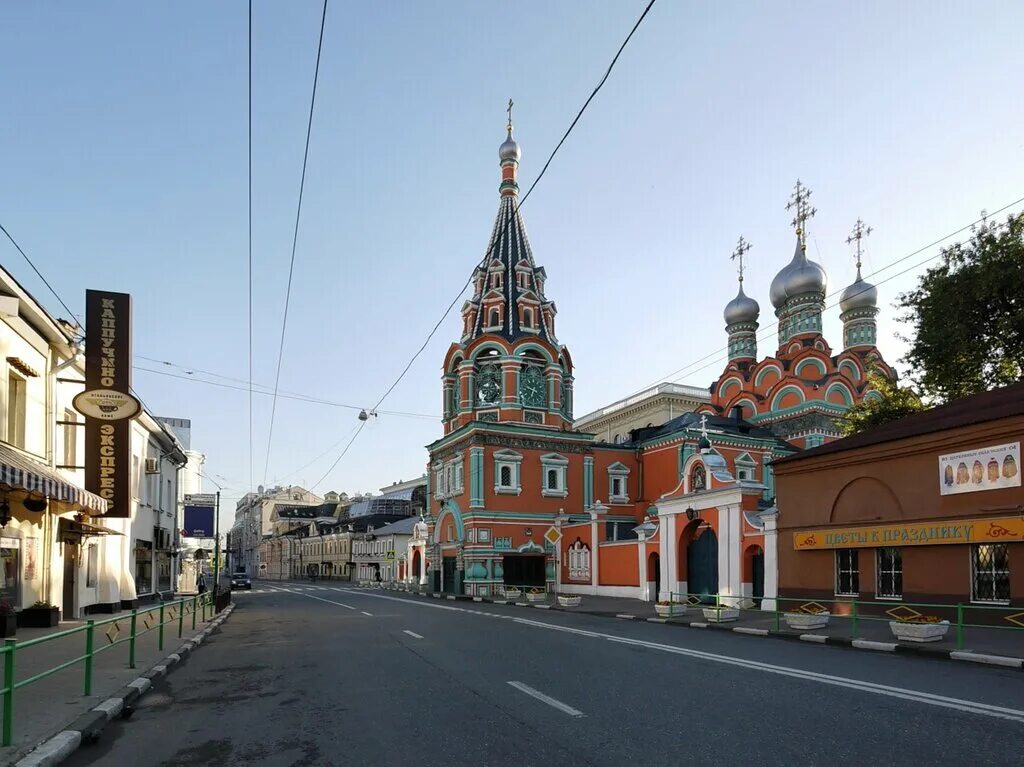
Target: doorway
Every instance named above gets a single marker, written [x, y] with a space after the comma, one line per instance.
[449, 576]
[70, 600]
[654, 574]
[702, 564]
[758, 575]
[524, 570]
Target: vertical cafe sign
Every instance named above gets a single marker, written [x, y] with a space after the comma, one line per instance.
[107, 402]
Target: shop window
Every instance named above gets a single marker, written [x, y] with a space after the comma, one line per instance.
[91, 565]
[10, 569]
[990, 572]
[70, 438]
[847, 572]
[16, 410]
[889, 573]
[143, 566]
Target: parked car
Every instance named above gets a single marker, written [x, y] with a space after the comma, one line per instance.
[240, 581]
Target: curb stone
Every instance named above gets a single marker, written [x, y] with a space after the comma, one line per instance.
[87, 727]
[964, 656]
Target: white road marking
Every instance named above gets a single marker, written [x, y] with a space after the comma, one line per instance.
[366, 613]
[917, 696]
[563, 707]
[320, 599]
[413, 634]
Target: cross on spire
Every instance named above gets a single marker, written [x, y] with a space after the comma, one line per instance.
[737, 255]
[704, 424]
[800, 204]
[860, 231]
[509, 110]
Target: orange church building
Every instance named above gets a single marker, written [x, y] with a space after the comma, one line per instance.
[518, 498]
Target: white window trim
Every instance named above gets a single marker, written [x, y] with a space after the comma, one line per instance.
[579, 562]
[618, 471]
[560, 464]
[514, 461]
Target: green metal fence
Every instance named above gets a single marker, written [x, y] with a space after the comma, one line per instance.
[856, 612]
[139, 622]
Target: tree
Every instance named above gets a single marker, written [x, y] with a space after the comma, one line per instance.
[895, 403]
[968, 315]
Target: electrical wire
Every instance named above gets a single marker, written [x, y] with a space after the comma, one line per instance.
[520, 204]
[716, 356]
[251, 481]
[71, 314]
[362, 425]
[295, 240]
[490, 246]
[284, 395]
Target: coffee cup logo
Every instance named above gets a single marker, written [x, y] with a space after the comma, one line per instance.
[107, 405]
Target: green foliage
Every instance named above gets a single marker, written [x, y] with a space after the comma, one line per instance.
[968, 315]
[896, 402]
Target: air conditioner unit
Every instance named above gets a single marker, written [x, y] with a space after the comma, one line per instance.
[152, 466]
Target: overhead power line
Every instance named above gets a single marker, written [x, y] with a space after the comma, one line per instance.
[295, 240]
[490, 246]
[520, 204]
[283, 395]
[251, 481]
[71, 314]
[717, 355]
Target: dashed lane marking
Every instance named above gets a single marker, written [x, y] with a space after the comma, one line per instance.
[563, 707]
[413, 634]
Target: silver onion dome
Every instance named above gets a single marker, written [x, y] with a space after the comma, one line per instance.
[799, 277]
[743, 308]
[860, 295]
[509, 150]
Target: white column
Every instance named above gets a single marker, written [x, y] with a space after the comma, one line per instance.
[726, 552]
[595, 550]
[641, 569]
[667, 555]
[771, 561]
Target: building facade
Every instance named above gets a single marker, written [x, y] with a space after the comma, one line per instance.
[928, 509]
[254, 520]
[519, 497]
[379, 555]
[652, 407]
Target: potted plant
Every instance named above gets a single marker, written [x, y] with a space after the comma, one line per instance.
[8, 619]
[41, 615]
[721, 613]
[569, 600]
[668, 608]
[919, 628]
[536, 595]
[512, 592]
[809, 616]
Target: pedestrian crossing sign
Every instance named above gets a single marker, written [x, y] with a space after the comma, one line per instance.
[552, 535]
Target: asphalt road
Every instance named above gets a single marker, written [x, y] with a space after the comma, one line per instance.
[330, 675]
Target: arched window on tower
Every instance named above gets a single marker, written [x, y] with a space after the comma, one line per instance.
[494, 319]
[698, 478]
[527, 318]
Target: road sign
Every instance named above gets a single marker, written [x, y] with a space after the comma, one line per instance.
[200, 499]
[552, 535]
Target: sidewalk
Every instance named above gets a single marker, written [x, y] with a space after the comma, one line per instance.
[46, 706]
[986, 641]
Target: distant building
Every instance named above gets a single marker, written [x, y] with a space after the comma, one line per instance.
[254, 520]
[379, 555]
[651, 407]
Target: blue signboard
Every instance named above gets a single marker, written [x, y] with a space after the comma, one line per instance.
[198, 522]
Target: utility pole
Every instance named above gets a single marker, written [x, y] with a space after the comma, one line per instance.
[216, 548]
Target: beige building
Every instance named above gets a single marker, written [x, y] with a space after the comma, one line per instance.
[651, 407]
[255, 519]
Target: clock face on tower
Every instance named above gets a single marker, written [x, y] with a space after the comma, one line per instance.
[532, 387]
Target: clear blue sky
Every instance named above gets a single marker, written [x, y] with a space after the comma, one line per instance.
[123, 156]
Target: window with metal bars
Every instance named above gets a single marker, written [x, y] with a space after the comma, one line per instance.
[990, 572]
[847, 572]
[889, 573]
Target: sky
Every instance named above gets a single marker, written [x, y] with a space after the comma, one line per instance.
[123, 166]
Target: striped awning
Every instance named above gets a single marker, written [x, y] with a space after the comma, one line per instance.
[18, 472]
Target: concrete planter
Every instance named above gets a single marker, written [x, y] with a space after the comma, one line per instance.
[721, 614]
[670, 611]
[39, 617]
[906, 631]
[512, 593]
[541, 597]
[573, 601]
[806, 621]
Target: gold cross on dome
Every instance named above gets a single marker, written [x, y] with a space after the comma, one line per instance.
[860, 231]
[509, 110]
[800, 204]
[737, 255]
